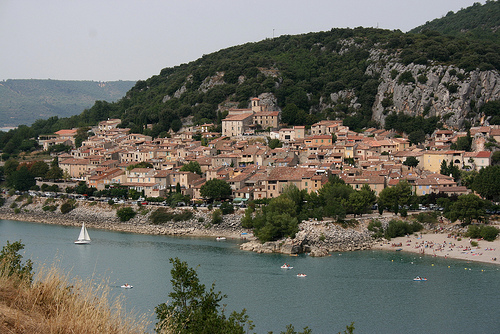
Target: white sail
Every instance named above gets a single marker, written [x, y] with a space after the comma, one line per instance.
[83, 238]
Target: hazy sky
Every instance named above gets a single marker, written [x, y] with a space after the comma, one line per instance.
[134, 39]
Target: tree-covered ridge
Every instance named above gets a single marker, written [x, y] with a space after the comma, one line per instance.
[302, 71]
[25, 101]
[479, 22]
[332, 74]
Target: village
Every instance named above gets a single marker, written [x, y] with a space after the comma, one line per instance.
[241, 155]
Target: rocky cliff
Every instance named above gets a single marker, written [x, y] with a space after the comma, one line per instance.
[444, 91]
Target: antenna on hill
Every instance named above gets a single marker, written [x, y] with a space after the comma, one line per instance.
[273, 33]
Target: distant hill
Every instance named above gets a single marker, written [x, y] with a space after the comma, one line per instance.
[480, 22]
[25, 101]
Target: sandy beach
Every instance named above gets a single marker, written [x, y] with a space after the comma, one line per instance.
[446, 246]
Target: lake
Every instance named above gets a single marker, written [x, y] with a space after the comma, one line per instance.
[373, 289]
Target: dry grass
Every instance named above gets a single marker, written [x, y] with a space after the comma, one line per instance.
[54, 305]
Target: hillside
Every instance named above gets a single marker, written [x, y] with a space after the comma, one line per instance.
[25, 101]
[479, 22]
[367, 77]
[359, 75]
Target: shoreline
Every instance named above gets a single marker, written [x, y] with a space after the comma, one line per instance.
[440, 242]
[444, 245]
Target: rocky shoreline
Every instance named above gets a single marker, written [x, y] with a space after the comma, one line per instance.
[315, 238]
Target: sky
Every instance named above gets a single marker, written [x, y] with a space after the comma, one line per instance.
[108, 40]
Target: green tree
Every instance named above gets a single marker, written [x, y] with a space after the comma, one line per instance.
[192, 166]
[39, 169]
[467, 208]
[193, 309]
[11, 262]
[495, 158]
[274, 143]
[22, 179]
[126, 213]
[393, 198]
[277, 220]
[487, 183]
[411, 162]
[216, 217]
[215, 189]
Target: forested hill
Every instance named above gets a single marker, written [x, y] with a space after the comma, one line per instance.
[25, 101]
[480, 22]
[361, 75]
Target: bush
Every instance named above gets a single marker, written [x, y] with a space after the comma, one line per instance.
[217, 216]
[50, 208]
[375, 226]
[227, 208]
[2, 201]
[125, 214]
[488, 233]
[399, 228]
[66, 207]
[162, 216]
[186, 215]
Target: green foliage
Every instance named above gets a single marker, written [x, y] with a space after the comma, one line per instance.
[427, 217]
[392, 198]
[276, 220]
[163, 215]
[11, 262]
[476, 22]
[399, 228]
[411, 162]
[67, 207]
[408, 124]
[21, 179]
[487, 183]
[216, 217]
[216, 189]
[487, 232]
[126, 213]
[467, 208]
[50, 208]
[192, 309]
[226, 208]
[375, 226]
[142, 164]
[192, 166]
[463, 143]
[274, 143]
[406, 78]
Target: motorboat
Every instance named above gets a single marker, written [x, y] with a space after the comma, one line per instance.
[286, 266]
[220, 238]
[301, 275]
[127, 286]
[418, 278]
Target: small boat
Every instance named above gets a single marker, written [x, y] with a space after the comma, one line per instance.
[301, 275]
[286, 266]
[127, 286]
[220, 238]
[418, 278]
[83, 238]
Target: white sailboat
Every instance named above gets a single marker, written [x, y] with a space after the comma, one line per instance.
[83, 238]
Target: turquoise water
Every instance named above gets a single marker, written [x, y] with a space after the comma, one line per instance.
[373, 289]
